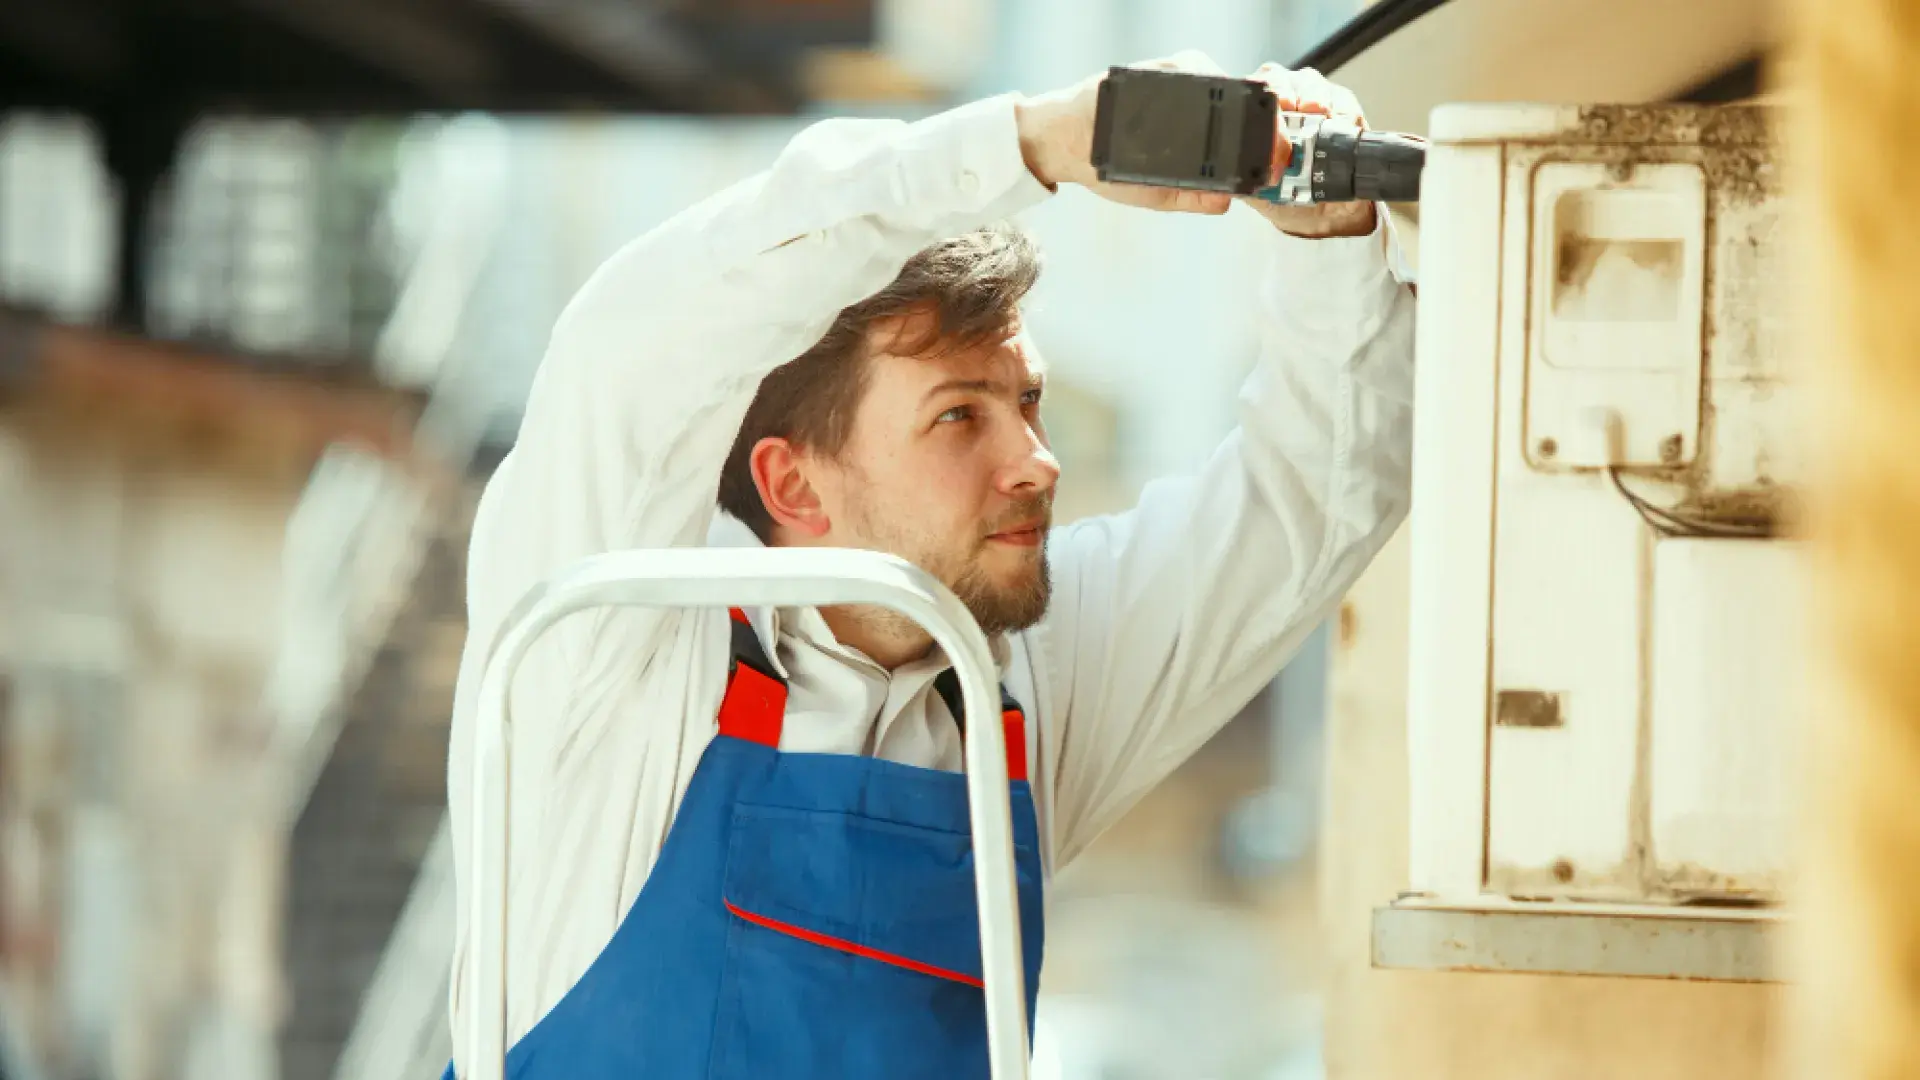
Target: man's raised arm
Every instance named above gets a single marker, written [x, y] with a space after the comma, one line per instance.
[1168, 618]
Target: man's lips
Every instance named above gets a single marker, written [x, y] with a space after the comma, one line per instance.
[1025, 535]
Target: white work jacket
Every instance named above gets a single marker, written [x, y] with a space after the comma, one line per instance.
[1166, 619]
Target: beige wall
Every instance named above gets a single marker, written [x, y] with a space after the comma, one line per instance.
[1442, 1026]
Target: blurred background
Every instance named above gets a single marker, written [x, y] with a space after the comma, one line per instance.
[274, 279]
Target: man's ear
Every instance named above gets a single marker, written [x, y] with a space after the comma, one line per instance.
[785, 490]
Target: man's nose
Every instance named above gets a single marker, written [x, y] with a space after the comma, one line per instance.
[1034, 469]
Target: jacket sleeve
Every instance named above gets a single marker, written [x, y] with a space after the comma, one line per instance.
[1168, 618]
[652, 365]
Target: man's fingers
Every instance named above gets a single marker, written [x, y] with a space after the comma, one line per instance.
[1276, 79]
[1207, 202]
[1167, 200]
[1282, 148]
[1197, 202]
[1339, 100]
[1307, 91]
[1187, 202]
[1187, 60]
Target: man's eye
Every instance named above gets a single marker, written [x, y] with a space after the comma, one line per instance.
[1031, 397]
[958, 412]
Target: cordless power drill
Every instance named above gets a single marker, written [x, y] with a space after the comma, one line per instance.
[1217, 133]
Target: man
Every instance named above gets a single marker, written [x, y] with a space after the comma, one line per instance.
[740, 844]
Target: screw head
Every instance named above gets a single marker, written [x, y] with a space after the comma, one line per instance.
[1546, 448]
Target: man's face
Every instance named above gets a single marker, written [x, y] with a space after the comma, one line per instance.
[947, 466]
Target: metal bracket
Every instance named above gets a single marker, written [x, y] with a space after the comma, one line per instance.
[1624, 941]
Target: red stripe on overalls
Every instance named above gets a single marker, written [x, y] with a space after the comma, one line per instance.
[845, 946]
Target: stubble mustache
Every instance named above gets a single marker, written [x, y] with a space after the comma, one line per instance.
[1022, 513]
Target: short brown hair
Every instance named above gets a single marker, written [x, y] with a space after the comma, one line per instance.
[970, 285]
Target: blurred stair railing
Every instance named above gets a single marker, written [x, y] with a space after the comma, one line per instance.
[403, 1032]
[357, 538]
[362, 524]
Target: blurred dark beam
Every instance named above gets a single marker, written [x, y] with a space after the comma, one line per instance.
[83, 40]
[782, 27]
[144, 71]
[301, 57]
[446, 60]
[627, 39]
[251, 56]
[140, 140]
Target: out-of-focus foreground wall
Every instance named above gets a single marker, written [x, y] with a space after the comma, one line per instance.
[1860, 948]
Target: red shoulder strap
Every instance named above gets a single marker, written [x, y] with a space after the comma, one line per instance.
[1013, 721]
[755, 704]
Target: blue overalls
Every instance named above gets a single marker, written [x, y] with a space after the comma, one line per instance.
[810, 916]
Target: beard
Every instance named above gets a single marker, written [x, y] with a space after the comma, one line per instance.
[1002, 609]
[998, 607]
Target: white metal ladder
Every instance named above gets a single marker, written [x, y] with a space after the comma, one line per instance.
[779, 577]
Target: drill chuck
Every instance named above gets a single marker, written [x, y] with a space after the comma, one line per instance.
[1336, 160]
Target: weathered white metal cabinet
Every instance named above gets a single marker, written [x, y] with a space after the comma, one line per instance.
[1605, 611]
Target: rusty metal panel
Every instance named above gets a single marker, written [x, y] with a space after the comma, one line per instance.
[1726, 640]
[1574, 939]
[1615, 288]
[1655, 414]
[1527, 708]
[1459, 341]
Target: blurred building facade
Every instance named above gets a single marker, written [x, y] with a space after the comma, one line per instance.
[213, 532]
[148, 490]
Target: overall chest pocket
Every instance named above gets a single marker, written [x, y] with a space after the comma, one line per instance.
[854, 949]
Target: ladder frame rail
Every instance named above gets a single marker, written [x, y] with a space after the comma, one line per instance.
[720, 578]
